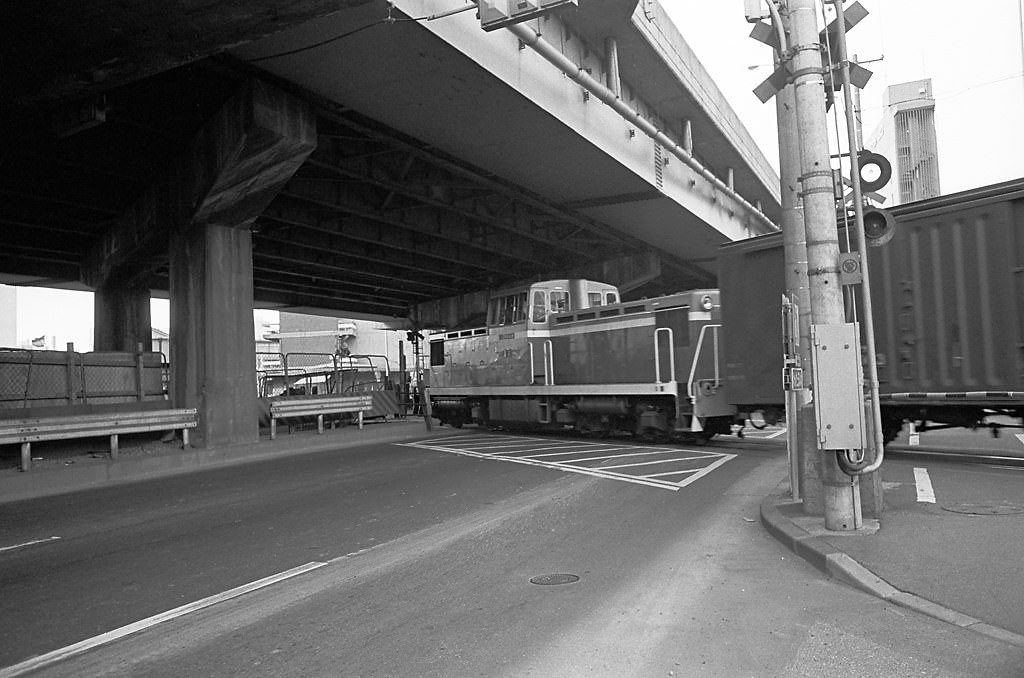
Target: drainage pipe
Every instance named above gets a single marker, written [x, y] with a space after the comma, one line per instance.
[533, 39]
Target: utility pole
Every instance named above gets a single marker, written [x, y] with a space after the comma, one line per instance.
[840, 493]
[800, 423]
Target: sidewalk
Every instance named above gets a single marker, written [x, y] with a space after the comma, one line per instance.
[953, 556]
[68, 466]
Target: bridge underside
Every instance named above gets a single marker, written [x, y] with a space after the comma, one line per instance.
[373, 222]
[349, 165]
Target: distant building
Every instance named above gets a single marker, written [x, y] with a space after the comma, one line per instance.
[906, 136]
[161, 342]
[312, 340]
[9, 317]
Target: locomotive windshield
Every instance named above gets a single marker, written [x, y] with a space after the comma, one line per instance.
[507, 309]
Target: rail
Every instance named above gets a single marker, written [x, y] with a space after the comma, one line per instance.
[28, 430]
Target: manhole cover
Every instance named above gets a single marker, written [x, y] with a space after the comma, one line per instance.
[554, 579]
[984, 509]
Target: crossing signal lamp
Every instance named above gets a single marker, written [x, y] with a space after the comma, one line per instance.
[879, 226]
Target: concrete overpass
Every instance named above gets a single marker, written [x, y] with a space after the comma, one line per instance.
[366, 157]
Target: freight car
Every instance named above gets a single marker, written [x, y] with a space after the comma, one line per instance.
[948, 299]
[570, 354]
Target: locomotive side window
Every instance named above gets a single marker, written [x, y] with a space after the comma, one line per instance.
[540, 311]
[593, 299]
[436, 353]
[611, 298]
[559, 301]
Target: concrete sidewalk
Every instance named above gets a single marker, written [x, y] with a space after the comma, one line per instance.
[955, 558]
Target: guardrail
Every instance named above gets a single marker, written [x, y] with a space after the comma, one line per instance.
[318, 406]
[28, 430]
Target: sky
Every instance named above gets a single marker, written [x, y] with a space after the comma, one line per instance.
[973, 52]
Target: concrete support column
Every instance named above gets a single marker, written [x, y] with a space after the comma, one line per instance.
[121, 317]
[212, 343]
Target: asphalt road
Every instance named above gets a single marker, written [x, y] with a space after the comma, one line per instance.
[419, 563]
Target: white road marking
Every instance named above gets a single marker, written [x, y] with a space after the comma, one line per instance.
[465, 446]
[1020, 437]
[776, 434]
[49, 658]
[28, 543]
[925, 493]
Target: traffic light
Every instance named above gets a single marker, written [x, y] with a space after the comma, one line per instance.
[879, 226]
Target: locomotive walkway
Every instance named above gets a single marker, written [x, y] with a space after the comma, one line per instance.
[948, 547]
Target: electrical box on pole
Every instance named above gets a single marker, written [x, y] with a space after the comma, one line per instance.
[838, 386]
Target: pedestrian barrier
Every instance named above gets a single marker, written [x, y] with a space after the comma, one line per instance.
[318, 406]
[27, 430]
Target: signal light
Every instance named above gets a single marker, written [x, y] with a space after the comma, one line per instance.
[879, 226]
[870, 163]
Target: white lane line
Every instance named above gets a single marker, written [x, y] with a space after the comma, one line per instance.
[568, 450]
[28, 543]
[1020, 437]
[706, 470]
[775, 435]
[49, 658]
[608, 456]
[648, 463]
[671, 473]
[925, 493]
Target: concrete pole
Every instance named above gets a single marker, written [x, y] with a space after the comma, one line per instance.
[799, 411]
[839, 491]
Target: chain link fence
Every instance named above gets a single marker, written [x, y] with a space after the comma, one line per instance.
[37, 378]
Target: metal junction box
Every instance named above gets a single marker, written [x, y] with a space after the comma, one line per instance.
[838, 386]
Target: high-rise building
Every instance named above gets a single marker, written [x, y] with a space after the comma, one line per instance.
[906, 136]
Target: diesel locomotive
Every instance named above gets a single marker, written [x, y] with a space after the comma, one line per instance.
[570, 354]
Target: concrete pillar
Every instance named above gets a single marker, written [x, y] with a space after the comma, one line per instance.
[213, 352]
[121, 317]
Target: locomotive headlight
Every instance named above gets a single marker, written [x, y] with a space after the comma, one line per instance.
[706, 303]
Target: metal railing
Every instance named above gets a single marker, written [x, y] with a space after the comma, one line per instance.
[305, 374]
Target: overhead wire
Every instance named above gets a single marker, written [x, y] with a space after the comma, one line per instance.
[386, 20]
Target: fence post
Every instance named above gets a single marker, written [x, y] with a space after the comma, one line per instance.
[138, 373]
[70, 373]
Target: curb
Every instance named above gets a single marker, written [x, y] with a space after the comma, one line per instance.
[46, 482]
[839, 565]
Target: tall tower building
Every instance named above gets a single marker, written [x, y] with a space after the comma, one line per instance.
[906, 136]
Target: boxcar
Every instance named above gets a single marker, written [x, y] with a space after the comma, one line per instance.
[948, 299]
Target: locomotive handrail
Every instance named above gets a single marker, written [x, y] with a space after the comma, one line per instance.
[549, 363]
[696, 357]
[657, 355]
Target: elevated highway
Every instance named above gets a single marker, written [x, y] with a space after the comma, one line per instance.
[356, 158]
